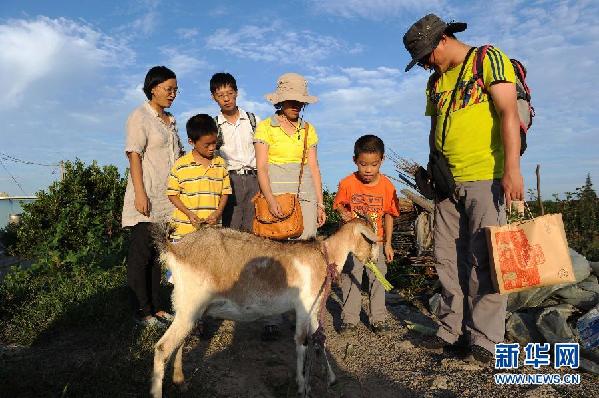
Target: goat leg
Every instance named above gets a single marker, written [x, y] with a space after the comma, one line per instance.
[330, 374]
[172, 339]
[302, 364]
[178, 376]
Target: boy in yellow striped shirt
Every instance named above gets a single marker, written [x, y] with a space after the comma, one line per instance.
[198, 184]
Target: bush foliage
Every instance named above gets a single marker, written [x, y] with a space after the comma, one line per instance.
[580, 212]
[77, 221]
[72, 235]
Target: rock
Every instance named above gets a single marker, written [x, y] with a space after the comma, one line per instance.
[405, 345]
[349, 350]
[439, 383]
[422, 329]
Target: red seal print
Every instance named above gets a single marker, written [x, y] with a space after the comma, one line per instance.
[518, 260]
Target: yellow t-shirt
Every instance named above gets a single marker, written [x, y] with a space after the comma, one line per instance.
[199, 188]
[283, 148]
[473, 144]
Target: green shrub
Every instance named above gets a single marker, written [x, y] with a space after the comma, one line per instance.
[580, 212]
[76, 222]
[72, 233]
[333, 218]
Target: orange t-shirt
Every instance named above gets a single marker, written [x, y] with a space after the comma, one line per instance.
[373, 201]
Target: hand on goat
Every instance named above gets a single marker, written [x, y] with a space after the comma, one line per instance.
[195, 220]
[213, 218]
[345, 214]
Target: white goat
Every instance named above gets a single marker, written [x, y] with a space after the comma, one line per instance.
[238, 276]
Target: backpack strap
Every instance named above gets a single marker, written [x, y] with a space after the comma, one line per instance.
[452, 99]
[477, 65]
[432, 84]
[520, 71]
[252, 119]
[220, 139]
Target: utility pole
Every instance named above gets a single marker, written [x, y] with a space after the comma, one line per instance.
[539, 200]
[61, 164]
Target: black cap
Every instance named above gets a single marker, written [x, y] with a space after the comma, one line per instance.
[424, 35]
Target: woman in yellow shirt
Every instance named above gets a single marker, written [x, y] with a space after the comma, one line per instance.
[279, 144]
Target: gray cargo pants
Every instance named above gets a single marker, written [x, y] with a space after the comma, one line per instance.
[351, 280]
[239, 211]
[469, 302]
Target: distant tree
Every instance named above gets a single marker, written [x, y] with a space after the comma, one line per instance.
[580, 212]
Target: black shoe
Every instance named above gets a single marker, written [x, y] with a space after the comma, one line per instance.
[459, 349]
[434, 342]
[271, 333]
[482, 355]
[347, 329]
[381, 327]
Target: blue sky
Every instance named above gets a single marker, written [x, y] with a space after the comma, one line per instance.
[71, 72]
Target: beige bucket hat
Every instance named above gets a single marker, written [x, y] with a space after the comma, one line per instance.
[291, 86]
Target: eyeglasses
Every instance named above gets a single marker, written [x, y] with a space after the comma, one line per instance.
[170, 90]
[222, 96]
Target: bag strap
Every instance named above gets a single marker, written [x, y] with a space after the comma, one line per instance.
[252, 119]
[219, 134]
[453, 95]
[306, 127]
[477, 65]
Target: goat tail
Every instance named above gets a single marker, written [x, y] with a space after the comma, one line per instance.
[160, 232]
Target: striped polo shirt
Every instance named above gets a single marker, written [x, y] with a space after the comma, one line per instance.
[199, 187]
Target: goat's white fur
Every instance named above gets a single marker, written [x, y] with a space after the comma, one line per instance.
[260, 278]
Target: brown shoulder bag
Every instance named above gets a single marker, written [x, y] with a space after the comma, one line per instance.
[292, 223]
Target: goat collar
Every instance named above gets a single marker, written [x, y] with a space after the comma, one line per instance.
[319, 336]
[332, 272]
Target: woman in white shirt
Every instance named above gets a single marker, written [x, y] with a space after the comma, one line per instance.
[152, 146]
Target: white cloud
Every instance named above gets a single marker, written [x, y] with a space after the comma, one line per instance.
[52, 52]
[558, 41]
[260, 108]
[374, 9]
[188, 33]
[277, 43]
[182, 63]
[146, 22]
[378, 100]
[219, 11]
[65, 94]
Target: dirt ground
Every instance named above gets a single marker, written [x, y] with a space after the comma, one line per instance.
[230, 360]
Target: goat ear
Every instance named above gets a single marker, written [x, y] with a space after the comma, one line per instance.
[368, 234]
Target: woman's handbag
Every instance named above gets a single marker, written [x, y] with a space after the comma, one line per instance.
[292, 223]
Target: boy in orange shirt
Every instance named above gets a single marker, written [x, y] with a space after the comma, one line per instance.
[370, 193]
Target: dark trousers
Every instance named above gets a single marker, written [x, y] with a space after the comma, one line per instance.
[143, 271]
[239, 211]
